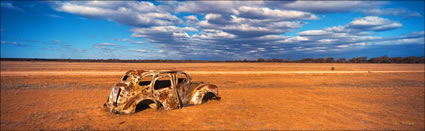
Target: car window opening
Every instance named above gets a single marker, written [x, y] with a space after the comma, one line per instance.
[162, 83]
[145, 81]
[181, 78]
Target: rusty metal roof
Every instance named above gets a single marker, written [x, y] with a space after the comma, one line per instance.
[140, 72]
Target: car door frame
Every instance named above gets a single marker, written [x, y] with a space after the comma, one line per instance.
[166, 96]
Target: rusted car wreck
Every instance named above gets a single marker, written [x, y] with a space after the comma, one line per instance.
[167, 89]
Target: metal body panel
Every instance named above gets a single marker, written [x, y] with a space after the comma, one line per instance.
[171, 93]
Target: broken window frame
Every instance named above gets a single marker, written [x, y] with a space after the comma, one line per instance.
[162, 75]
[151, 81]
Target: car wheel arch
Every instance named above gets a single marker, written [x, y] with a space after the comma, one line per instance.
[143, 104]
[202, 92]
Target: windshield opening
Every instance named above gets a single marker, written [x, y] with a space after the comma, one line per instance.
[124, 78]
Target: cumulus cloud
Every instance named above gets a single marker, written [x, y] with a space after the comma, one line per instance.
[213, 34]
[373, 23]
[325, 6]
[191, 19]
[267, 13]
[353, 35]
[314, 33]
[238, 30]
[419, 41]
[359, 26]
[310, 49]
[411, 38]
[392, 12]
[245, 27]
[251, 21]
[132, 13]
[220, 7]
[319, 7]
[163, 34]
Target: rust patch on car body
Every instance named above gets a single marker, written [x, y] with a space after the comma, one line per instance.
[131, 102]
[139, 72]
[129, 87]
[211, 87]
[163, 95]
[121, 85]
[125, 99]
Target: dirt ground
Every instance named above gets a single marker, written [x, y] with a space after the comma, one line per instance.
[260, 101]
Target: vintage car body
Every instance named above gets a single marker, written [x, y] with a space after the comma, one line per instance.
[167, 89]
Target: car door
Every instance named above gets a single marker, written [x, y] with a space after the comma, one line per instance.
[164, 91]
[144, 85]
[183, 85]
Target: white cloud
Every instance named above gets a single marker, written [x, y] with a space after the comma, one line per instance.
[271, 37]
[392, 12]
[402, 41]
[310, 49]
[295, 39]
[244, 19]
[343, 46]
[360, 44]
[180, 35]
[137, 14]
[252, 51]
[244, 27]
[327, 40]
[355, 30]
[373, 23]
[191, 18]
[267, 13]
[213, 34]
[325, 6]
[164, 35]
[85, 10]
[261, 49]
[314, 32]
[354, 35]
[221, 7]
[107, 4]
[236, 29]
[140, 50]
[144, 32]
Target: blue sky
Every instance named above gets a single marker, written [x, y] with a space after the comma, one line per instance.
[211, 30]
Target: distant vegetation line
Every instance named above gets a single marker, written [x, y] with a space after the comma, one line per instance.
[382, 59]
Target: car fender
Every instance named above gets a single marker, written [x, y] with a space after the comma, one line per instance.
[199, 93]
[130, 106]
